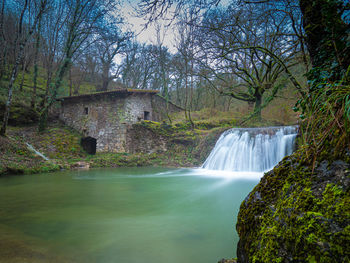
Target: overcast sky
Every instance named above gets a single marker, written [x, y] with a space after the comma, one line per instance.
[147, 35]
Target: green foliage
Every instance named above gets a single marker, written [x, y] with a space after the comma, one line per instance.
[326, 116]
[23, 93]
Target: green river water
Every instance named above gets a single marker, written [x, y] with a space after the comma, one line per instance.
[147, 215]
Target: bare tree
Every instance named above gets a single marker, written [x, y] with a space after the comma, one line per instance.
[76, 77]
[82, 19]
[140, 67]
[111, 42]
[52, 33]
[186, 47]
[245, 51]
[3, 46]
[36, 58]
[22, 40]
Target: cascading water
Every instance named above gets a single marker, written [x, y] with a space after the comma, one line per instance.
[251, 149]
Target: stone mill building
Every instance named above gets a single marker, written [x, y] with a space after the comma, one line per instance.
[104, 118]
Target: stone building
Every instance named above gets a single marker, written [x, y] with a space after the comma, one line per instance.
[105, 117]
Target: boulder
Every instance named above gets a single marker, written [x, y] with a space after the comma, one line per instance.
[297, 213]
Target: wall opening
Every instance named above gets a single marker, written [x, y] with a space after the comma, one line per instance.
[146, 115]
[86, 110]
[89, 144]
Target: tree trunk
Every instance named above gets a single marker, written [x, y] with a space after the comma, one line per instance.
[22, 80]
[18, 60]
[48, 85]
[2, 40]
[257, 105]
[68, 54]
[36, 55]
[14, 73]
[70, 82]
[10, 91]
[76, 88]
[45, 112]
[325, 33]
[105, 83]
[105, 77]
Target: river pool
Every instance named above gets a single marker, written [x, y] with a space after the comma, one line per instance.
[126, 215]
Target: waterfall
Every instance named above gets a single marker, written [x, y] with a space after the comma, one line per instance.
[251, 149]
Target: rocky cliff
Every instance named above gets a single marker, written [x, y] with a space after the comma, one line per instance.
[298, 213]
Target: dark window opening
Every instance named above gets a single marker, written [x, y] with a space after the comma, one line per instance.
[89, 144]
[146, 115]
[86, 110]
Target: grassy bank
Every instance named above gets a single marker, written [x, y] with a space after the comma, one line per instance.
[61, 145]
[186, 146]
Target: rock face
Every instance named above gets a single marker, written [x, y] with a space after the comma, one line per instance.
[297, 214]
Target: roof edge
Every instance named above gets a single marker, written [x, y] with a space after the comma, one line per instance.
[110, 92]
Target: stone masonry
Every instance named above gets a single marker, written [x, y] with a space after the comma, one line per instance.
[107, 116]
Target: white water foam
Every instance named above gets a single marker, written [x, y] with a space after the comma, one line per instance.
[251, 149]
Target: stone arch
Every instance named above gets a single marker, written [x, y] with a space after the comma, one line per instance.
[89, 144]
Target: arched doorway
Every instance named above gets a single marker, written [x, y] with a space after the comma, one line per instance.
[89, 144]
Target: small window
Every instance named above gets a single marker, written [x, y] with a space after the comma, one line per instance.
[86, 110]
[146, 115]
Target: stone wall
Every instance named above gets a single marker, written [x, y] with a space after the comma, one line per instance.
[106, 117]
[143, 140]
[136, 106]
[161, 108]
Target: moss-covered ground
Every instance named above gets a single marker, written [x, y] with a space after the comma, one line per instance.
[16, 158]
[186, 147]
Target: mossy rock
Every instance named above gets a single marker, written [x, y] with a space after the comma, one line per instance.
[297, 213]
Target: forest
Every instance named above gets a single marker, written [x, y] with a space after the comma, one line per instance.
[231, 58]
[234, 68]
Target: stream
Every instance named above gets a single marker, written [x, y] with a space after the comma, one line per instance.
[132, 215]
[122, 215]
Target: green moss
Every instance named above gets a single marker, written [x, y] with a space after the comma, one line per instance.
[17, 159]
[298, 214]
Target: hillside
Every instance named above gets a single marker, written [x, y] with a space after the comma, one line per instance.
[62, 145]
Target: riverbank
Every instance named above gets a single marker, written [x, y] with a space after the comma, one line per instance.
[185, 147]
